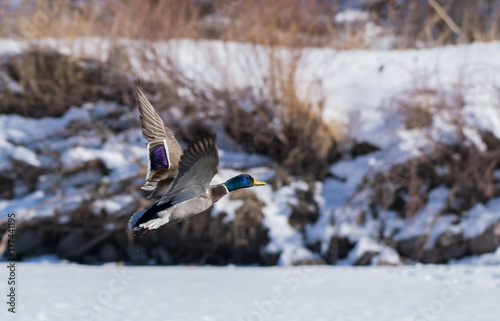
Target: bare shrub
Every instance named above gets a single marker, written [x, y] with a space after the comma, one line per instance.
[418, 23]
[51, 82]
[462, 166]
[299, 141]
[281, 22]
[305, 212]
[269, 118]
[280, 124]
[406, 24]
[276, 120]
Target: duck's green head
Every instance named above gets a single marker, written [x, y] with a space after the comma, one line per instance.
[242, 181]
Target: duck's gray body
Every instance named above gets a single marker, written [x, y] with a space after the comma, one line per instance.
[190, 192]
[179, 181]
[159, 214]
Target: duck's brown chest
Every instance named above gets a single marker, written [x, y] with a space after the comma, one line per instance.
[217, 192]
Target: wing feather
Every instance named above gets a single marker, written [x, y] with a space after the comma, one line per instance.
[153, 127]
[164, 150]
[197, 167]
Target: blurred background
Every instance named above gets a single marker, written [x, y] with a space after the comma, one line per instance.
[376, 124]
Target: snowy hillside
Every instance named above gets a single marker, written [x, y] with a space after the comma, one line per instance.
[88, 162]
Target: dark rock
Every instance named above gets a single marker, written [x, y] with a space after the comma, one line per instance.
[413, 248]
[318, 261]
[305, 212]
[366, 258]
[108, 252]
[162, 256]
[26, 174]
[448, 239]
[268, 259]
[448, 246]
[489, 241]
[71, 246]
[338, 249]
[169, 237]
[457, 251]
[90, 259]
[137, 254]
[490, 140]
[214, 259]
[6, 187]
[362, 148]
[27, 242]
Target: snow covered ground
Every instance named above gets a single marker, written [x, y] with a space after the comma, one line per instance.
[48, 291]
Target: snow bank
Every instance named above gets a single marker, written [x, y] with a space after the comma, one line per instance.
[357, 88]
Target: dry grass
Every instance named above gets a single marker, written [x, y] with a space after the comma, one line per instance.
[462, 166]
[270, 118]
[289, 23]
[279, 22]
[419, 24]
[283, 123]
[298, 140]
[50, 82]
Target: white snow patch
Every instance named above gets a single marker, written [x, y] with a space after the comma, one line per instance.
[71, 202]
[242, 160]
[353, 171]
[25, 207]
[351, 15]
[386, 255]
[444, 224]
[114, 205]
[228, 206]
[480, 217]
[425, 219]
[22, 130]
[24, 155]
[284, 238]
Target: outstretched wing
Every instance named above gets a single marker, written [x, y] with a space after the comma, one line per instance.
[163, 149]
[152, 125]
[197, 167]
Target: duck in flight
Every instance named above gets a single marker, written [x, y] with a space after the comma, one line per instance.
[180, 182]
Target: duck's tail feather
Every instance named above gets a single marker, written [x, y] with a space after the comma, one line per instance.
[133, 222]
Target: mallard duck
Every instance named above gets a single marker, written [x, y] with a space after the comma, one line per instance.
[164, 151]
[190, 193]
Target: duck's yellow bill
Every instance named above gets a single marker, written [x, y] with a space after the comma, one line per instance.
[258, 183]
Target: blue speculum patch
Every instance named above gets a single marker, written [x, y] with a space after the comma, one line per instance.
[158, 157]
